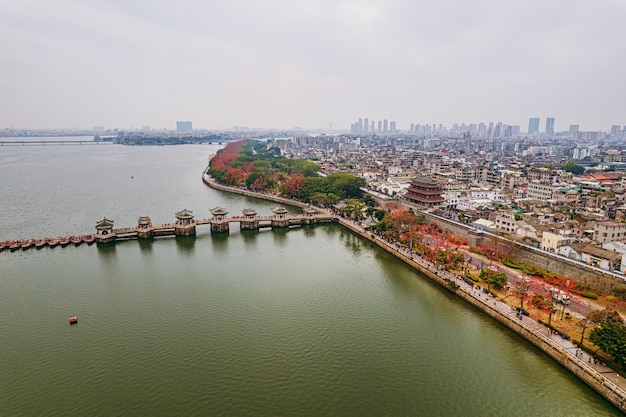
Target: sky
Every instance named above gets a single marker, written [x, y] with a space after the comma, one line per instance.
[285, 63]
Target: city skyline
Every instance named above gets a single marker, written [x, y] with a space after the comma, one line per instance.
[279, 65]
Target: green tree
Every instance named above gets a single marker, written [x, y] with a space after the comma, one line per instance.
[610, 333]
[498, 279]
[354, 208]
[571, 166]
[369, 201]
[620, 291]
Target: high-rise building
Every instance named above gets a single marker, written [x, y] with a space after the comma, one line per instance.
[392, 126]
[550, 126]
[385, 125]
[481, 129]
[380, 126]
[366, 125]
[615, 131]
[533, 125]
[183, 127]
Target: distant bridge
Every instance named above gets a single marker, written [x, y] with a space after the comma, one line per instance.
[51, 142]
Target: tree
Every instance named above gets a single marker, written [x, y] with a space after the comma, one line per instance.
[620, 291]
[571, 166]
[609, 334]
[354, 208]
[369, 201]
[522, 287]
[293, 184]
[498, 279]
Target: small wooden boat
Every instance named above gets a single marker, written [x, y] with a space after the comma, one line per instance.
[53, 242]
[40, 243]
[27, 244]
[90, 239]
[73, 320]
[64, 242]
[77, 240]
[15, 246]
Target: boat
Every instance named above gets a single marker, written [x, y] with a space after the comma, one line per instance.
[40, 243]
[77, 240]
[64, 241]
[15, 246]
[73, 320]
[53, 242]
[90, 239]
[27, 244]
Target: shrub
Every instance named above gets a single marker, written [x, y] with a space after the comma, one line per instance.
[589, 295]
[471, 277]
[512, 264]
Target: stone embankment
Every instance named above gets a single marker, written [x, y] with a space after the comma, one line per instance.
[598, 377]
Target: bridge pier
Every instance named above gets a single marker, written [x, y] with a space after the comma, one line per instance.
[250, 220]
[185, 225]
[280, 218]
[219, 222]
[144, 227]
[104, 232]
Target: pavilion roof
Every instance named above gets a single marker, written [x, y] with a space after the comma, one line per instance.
[219, 211]
[185, 214]
[279, 210]
[104, 223]
[249, 212]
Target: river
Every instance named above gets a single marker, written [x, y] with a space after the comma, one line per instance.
[308, 321]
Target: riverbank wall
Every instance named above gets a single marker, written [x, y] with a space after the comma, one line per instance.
[541, 339]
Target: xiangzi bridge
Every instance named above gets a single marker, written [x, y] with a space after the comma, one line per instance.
[185, 224]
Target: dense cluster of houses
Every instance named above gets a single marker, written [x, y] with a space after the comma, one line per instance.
[518, 194]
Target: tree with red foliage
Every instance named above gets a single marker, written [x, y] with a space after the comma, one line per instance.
[259, 184]
[235, 176]
[292, 185]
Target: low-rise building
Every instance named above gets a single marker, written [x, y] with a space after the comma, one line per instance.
[604, 232]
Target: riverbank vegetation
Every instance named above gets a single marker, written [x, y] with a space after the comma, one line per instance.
[254, 165]
[139, 140]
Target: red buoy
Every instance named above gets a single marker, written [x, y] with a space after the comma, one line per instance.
[73, 320]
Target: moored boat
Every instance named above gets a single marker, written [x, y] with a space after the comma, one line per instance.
[53, 242]
[90, 239]
[73, 320]
[40, 243]
[64, 241]
[27, 244]
[77, 240]
[15, 246]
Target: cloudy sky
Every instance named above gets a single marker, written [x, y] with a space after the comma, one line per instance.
[284, 63]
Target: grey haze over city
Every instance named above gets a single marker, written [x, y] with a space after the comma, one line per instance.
[278, 63]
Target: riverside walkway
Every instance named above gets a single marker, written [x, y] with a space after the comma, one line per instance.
[598, 376]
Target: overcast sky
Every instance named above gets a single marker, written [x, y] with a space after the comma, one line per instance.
[285, 63]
